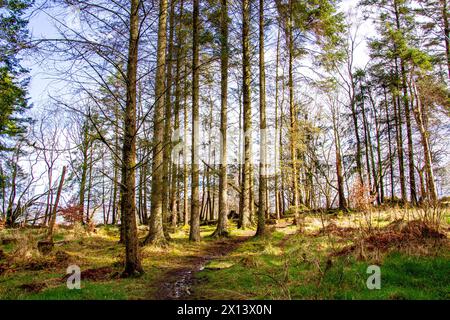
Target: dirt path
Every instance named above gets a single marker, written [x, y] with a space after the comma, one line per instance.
[177, 284]
[288, 234]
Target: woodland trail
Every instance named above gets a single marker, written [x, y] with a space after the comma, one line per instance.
[288, 234]
[177, 284]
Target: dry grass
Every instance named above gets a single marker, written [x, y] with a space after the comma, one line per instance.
[373, 233]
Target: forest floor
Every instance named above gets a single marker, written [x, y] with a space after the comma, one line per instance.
[328, 259]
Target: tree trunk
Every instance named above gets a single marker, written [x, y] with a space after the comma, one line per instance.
[89, 189]
[277, 145]
[339, 174]
[185, 155]
[156, 232]
[356, 127]
[175, 179]
[51, 227]
[84, 168]
[244, 219]
[262, 208]
[167, 145]
[446, 33]
[293, 116]
[128, 185]
[424, 134]
[412, 180]
[116, 166]
[399, 136]
[10, 219]
[379, 159]
[194, 234]
[391, 159]
[222, 224]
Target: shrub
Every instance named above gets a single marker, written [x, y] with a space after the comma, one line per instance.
[72, 214]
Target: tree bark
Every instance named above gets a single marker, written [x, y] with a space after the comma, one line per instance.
[244, 219]
[424, 134]
[412, 180]
[391, 157]
[222, 224]
[167, 148]
[128, 199]
[277, 145]
[52, 223]
[339, 174]
[262, 208]
[175, 178]
[399, 136]
[185, 155]
[156, 232]
[84, 167]
[293, 119]
[194, 234]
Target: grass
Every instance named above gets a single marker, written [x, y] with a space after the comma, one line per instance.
[299, 266]
[283, 264]
[402, 277]
[88, 252]
[100, 249]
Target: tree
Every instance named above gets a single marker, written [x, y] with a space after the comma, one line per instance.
[244, 218]
[156, 232]
[13, 77]
[128, 194]
[262, 208]
[222, 224]
[194, 234]
[55, 206]
[180, 62]
[399, 44]
[167, 142]
[319, 19]
[437, 30]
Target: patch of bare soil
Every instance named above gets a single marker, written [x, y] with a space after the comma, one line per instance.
[97, 274]
[38, 264]
[59, 259]
[177, 284]
[36, 287]
[33, 287]
[399, 234]
[103, 273]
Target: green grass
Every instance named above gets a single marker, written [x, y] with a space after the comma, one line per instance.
[272, 268]
[280, 265]
[88, 252]
[100, 249]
